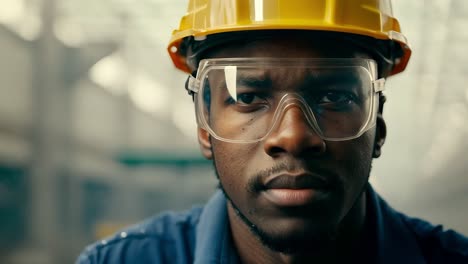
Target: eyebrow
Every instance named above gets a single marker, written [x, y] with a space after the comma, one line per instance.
[265, 82]
[326, 79]
[259, 82]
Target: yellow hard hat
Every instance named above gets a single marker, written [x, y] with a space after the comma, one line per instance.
[369, 18]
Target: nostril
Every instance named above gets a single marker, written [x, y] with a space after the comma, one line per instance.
[299, 143]
[274, 151]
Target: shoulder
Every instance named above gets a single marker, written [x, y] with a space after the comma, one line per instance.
[436, 243]
[166, 238]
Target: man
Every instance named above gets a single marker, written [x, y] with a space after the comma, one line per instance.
[288, 96]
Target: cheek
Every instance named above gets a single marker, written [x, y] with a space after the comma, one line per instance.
[365, 147]
[359, 150]
[232, 163]
[354, 159]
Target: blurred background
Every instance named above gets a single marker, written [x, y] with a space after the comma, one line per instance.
[97, 132]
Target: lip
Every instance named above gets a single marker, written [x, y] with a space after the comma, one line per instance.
[297, 181]
[288, 190]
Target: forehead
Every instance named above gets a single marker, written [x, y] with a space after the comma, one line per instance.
[288, 47]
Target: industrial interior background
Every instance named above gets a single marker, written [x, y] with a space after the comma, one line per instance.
[97, 132]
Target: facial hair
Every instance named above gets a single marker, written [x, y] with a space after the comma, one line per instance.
[307, 244]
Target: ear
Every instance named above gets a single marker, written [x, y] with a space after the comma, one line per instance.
[380, 135]
[205, 143]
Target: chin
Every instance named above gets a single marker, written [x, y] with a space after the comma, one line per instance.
[295, 236]
[301, 240]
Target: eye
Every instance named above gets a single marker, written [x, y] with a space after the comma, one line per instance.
[248, 102]
[336, 101]
[247, 98]
[336, 98]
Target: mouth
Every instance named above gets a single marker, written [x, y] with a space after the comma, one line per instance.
[288, 190]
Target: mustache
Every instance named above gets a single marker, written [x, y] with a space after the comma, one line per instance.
[256, 183]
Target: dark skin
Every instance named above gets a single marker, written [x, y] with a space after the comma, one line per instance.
[329, 228]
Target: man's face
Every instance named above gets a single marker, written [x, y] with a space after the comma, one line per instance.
[293, 188]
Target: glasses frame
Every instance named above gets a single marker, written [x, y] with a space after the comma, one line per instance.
[194, 86]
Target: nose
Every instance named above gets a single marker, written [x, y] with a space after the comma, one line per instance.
[294, 136]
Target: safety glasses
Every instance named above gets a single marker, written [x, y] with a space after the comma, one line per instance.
[242, 100]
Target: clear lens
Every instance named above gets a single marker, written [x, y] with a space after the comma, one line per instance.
[242, 101]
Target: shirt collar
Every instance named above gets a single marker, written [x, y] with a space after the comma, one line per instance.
[394, 241]
[213, 238]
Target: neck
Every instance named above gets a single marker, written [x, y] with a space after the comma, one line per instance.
[351, 234]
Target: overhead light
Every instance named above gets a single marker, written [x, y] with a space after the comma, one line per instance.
[21, 20]
[69, 33]
[148, 95]
[12, 11]
[111, 73]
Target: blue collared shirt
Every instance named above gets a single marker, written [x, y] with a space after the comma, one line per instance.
[202, 236]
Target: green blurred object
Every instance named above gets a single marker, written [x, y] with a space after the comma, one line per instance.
[13, 201]
[150, 158]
